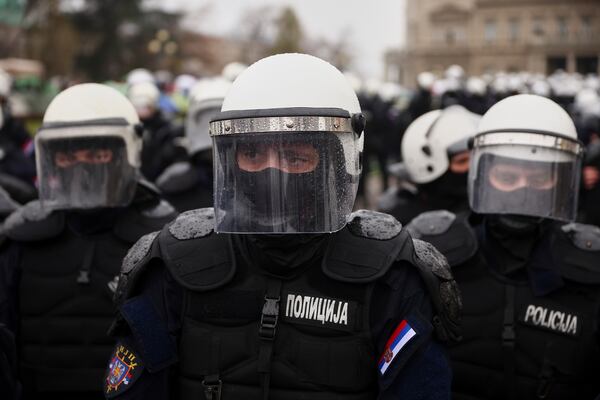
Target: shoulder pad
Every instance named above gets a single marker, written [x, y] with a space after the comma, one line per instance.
[32, 222]
[576, 249]
[584, 237]
[431, 223]
[193, 224]
[449, 233]
[133, 264]
[177, 178]
[442, 287]
[374, 225]
[354, 255]
[139, 220]
[199, 259]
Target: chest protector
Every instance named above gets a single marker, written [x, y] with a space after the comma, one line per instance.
[517, 345]
[249, 335]
[65, 291]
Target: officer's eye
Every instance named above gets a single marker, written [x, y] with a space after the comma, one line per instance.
[507, 178]
[541, 180]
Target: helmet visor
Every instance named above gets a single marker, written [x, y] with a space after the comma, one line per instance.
[197, 125]
[84, 172]
[286, 182]
[524, 179]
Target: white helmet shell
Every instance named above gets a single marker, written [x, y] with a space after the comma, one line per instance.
[476, 86]
[184, 83]
[93, 102]
[323, 86]
[455, 72]
[425, 80]
[139, 75]
[209, 89]
[526, 113]
[5, 83]
[144, 95]
[428, 139]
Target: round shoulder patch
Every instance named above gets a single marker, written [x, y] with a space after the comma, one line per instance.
[138, 251]
[193, 224]
[374, 225]
[431, 223]
[431, 257]
[584, 237]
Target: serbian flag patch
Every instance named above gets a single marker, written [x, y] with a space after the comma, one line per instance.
[401, 336]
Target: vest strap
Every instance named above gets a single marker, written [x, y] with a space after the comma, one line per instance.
[212, 387]
[508, 341]
[267, 331]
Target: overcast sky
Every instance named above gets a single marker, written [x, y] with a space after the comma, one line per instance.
[374, 26]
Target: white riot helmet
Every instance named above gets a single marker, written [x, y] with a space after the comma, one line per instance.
[145, 97]
[455, 72]
[433, 138]
[425, 80]
[5, 83]
[184, 83]
[526, 160]
[232, 70]
[139, 75]
[476, 86]
[287, 148]
[88, 149]
[206, 99]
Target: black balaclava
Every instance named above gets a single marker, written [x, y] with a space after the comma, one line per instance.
[283, 255]
[448, 191]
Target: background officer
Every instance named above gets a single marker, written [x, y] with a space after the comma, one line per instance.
[529, 279]
[59, 264]
[189, 184]
[436, 162]
[303, 304]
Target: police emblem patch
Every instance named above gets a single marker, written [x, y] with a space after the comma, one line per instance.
[124, 368]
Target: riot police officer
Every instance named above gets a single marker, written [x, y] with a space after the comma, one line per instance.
[189, 184]
[436, 159]
[160, 135]
[529, 277]
[279, 291]
[17, 164]
[61, 257]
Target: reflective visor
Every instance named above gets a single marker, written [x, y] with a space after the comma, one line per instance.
[524, 180]
[84, 172]
[284, 182]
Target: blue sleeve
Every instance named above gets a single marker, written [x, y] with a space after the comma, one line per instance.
[9, 284]
[146, 327]
[410, 362]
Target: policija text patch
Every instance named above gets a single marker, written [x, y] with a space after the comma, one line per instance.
[124, 368]
[320, 311]
[548, 318]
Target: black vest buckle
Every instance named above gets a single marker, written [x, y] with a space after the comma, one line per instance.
[508, 336]
[269, 318]
[212, 387]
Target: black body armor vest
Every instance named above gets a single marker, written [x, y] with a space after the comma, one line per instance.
[67, 281]
[517, 345]
[247, 334]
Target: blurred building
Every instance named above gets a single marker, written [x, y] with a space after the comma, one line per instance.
[486, 36]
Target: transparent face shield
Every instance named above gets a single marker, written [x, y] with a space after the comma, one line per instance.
[286, 182]
[84, 172]
[197, 124]
[535, 175]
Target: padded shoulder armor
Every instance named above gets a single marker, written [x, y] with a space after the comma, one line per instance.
[451, 234]
[133, 264]
[199, 259]
[139, 220]
[177, 178]
[365, 249]
[576, 249]
[442, 287]
[32, 222]
[374, 225]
